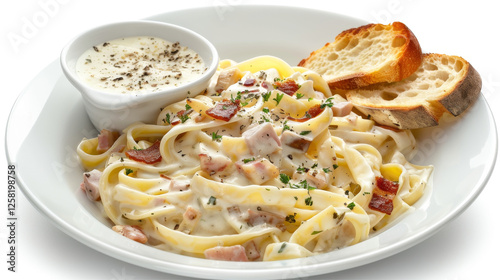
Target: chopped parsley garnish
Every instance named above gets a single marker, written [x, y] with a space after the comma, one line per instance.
[184, 118]
[266, 96]
[291, 218]
[309, 201]
[326, 170]
[305, 132]
[216, 137]
[303, 185]
[247, 160]
[284, 178]
[335, 166]
[299, 95]
[316, 232]
[351, 205]
[238, 96]
[282, 248]
[327, 103]
[278, 98]
[188, 107]
[301, 169]
[265, 110]
[285, 127]
[128, 171]
[212, 201]
[167, 118]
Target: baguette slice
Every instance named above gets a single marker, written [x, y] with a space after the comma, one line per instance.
[442, 84]
[367, 55]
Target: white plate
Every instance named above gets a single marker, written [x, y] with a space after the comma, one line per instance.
[48, 121]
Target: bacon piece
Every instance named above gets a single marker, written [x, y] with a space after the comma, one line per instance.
[295, 141]
[213, 163]
[264, 217]
[90, 184]
[262, 139]
[289, 86]
[387, 186]
[105, 140]
[224, 110]
[383, 195]
[381, 203]
[230, 253]
[311, 113]
[226, 78]
[131, 232]
[150, 155]
[258, 171]
[183, 113]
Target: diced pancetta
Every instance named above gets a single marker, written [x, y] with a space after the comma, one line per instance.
[105, 140]
[262, 139]
[190, 219]
[90, 184]
[295, 141]
[264, 217]
[213, 164]
[226, 78]
[289, 87]
[258, 171]
[252, 251]
[131, 232]
[150, 155]
[229, 253]
[342, 109]
[314, 177]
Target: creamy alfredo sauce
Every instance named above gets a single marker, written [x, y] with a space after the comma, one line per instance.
[139, 65]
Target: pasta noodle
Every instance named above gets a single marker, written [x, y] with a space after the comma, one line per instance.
[267, 164]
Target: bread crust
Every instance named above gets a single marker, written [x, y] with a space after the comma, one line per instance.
[407, 60]
[465, 93]
[455, 100]
[402, 118]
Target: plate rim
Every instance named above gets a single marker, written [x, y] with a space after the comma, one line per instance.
[102, 247]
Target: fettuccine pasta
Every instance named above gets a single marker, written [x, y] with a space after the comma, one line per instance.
[267, 164]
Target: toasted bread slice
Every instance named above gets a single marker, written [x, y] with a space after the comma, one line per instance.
[442, 84]
[367, 55]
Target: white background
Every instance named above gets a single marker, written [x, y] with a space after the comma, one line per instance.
[466, 248]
